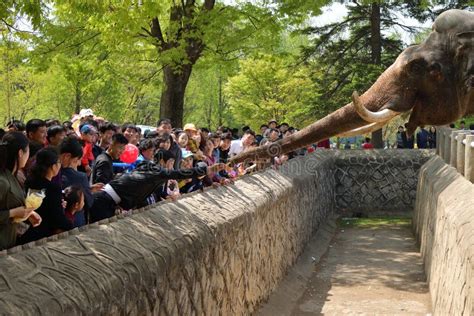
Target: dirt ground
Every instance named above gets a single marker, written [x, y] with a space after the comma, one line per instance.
[366, 270]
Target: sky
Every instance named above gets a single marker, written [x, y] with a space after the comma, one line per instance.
[336, 12]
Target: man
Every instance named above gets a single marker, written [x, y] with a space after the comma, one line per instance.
[106, 132]
[272, 124]
[147, 150]
[164, 127]
[401, 137]
[263, 129]
[36, 132]
[55, 135]
[462, 125]
[131, 190]
[70, 156]
[422, 138]
[274, 135]
[103, 171]
[239, 145]
[216, 141]
[130, 132]
[367, 144]
[224, 147]
[16, 126]
[283, 128]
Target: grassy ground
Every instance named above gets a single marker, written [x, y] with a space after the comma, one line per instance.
[373, 222]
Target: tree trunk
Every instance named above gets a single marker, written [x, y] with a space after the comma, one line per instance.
[77, 99]
[220, 104]
[172, 96]
[376, 57]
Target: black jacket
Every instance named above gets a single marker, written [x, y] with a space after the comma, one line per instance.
[133, 188]
[103, 170]
[51, 211]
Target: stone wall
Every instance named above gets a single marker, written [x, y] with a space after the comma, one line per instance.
[375, 182]
[444, 225]
[217, 252]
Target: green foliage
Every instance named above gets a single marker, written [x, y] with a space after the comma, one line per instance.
[268, 87]
[59, 56]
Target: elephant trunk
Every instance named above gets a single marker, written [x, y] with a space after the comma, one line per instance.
[379, 96]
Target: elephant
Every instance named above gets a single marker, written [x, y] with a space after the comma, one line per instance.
[434, 80]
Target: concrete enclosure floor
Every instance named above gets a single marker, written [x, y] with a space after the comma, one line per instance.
[366, 271]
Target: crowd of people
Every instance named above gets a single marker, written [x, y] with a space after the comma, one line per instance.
[88, 169]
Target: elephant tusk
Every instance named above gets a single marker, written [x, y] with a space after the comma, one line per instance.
[363, 129]
[369, 116]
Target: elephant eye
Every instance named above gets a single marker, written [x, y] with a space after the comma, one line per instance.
[417, 66]
[435, 67]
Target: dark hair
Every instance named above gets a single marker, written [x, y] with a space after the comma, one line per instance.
[163, 138]
[471, 127]
[67, 125]
[164, 154]
[55, 130]
[452, 125]
[226, 136]
[273, 130]
[45, 158]
[247, 132]
[107, 127]
[367, 139]
[72, 195]
[33, 125]
[205, 130]
[89, 122]
[71, 145]
[462, 122]
[52, 122]
[146, 144]
[18, 125]
[11, 143]
[264, 125]
[163, 121]
[129, 125]
[2, 133]
[151, 134]
[119, 138]
[284, 124]
[245, 128]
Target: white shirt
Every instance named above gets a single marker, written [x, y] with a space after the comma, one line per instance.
[236, 147]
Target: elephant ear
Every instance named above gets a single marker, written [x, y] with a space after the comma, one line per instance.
[465, 38]
[464, 42]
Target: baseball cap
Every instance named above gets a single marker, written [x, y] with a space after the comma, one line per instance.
[86, 113]
[186, 153]
[190, 127]
[88, 129]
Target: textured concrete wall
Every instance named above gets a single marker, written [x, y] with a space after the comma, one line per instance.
[444, 225]
[378, 181]
[219, 252]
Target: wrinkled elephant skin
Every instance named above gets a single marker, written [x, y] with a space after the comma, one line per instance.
[434, 80]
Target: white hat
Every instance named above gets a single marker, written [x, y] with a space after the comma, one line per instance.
[86, 113]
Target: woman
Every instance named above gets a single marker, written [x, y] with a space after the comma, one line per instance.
[432, 137]
[51, 210]
[14, 153]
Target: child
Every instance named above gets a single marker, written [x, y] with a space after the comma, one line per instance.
[74, 199]
[170, 189]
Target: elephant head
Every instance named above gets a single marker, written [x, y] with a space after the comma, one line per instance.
[434, 80]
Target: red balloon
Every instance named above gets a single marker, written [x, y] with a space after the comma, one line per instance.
[130, 154]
